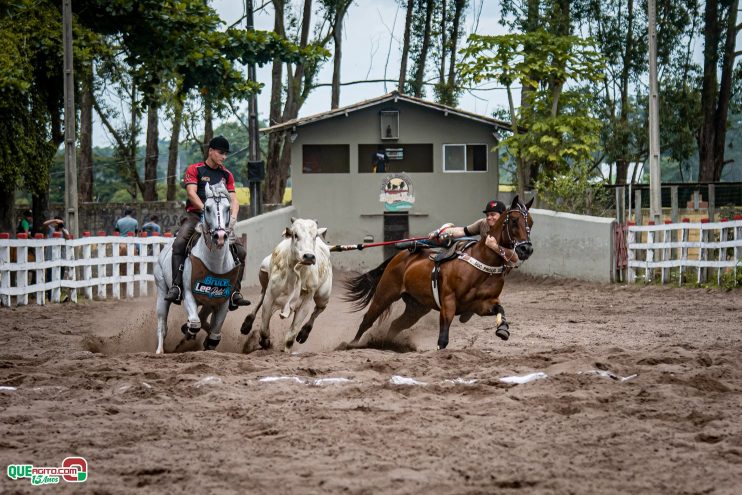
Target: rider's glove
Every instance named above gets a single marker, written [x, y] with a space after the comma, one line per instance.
[440, 232]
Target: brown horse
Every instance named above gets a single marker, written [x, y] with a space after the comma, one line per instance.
[466, 287]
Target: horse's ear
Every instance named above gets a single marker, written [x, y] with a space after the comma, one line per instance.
[293, 219]
[321, 231]
[528, 205]
[287, 232]
[516, 200]
[200, 228]
[316, 221]
[209, 193]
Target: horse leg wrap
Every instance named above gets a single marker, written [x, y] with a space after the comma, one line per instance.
[188, 332]
[503, 329]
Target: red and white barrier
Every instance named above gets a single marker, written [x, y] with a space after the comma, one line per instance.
[33, 267]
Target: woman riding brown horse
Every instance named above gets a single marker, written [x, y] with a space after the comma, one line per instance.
[470, 284]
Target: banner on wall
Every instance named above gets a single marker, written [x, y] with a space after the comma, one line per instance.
[396, 192]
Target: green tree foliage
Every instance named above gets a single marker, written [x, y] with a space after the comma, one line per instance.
[557, 129]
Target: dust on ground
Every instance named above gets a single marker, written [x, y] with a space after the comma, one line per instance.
[642, 394]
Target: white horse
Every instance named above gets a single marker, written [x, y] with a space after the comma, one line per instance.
[297, 273]
[208, 280]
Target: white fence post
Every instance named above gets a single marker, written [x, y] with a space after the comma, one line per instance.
[648, 270]
[4, 269]
[630, 253]
[40, 273]
[102, 266]
[702, 253]
[21, 276]
[87, 269]
[684, 232]
[130, 252]
[71, 271]
[56, 254]
[143, 254]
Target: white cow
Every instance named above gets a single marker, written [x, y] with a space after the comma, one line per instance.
[295, 274]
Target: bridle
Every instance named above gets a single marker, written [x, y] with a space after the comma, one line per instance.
[508, 224]
[208, 232]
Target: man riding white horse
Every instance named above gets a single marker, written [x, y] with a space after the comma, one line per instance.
[210, 273]
[197, 176]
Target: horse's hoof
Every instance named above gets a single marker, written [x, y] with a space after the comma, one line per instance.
[265, 343]
[210, 344]
[503, 333]
[442, 346]
[303, 334]
[284, 314]
[247, 324]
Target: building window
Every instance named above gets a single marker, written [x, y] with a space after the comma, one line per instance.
[410, 158]
[464, 157]
[389, 124]
[325, 159]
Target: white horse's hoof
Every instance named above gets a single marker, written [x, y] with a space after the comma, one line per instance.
[194, 324]
[284, 314]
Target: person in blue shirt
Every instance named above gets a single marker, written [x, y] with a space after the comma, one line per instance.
[151, 227]
[127, 223]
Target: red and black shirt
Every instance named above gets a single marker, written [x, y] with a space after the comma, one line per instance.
[201, 174]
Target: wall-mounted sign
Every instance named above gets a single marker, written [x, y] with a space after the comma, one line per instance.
[396, 192]
[395, 153]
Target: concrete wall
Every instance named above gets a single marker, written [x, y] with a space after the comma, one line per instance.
[262, 233]
[348, 203]
[572, 246]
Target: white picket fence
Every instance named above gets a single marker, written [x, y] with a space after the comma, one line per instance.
[667, 251]
[101, 264]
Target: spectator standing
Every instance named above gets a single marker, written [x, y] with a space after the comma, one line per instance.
[152, 226]
[127, 223]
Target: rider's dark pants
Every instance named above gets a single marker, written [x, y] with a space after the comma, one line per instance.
[186, 230]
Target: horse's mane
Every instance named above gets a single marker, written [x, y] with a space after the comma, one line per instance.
[220, 189]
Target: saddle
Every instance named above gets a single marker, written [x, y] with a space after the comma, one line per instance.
[212, 289]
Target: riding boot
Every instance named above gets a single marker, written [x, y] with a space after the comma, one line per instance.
[236, 300]
[175, 293]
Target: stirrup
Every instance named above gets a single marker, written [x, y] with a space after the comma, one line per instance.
[236, 300]
[174, 295]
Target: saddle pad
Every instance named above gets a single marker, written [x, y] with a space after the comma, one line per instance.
[211, 289]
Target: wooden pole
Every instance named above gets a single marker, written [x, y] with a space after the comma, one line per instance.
[655, 178]
[70, 161]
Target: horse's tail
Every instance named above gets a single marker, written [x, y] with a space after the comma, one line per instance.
[361, 288]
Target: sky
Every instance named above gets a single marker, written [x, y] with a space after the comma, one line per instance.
[372, 40]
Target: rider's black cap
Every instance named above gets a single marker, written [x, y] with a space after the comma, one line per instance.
[496, 206]
[219, 143]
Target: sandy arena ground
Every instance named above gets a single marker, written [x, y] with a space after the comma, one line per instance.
[83, 380]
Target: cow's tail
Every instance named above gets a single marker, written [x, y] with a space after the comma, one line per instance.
[360, 289]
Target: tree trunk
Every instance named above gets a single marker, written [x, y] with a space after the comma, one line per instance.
[458, 10]
[422, 61]
[7, 210]
[405, 46]
[527, 172]
[208, 125]
[337, 37]
[725, 91]
[275, 139]
[622, 162]
[151, 155]
[172, 156]
[444, 48]
[85, 166]
[707, 134]
[279, 148]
